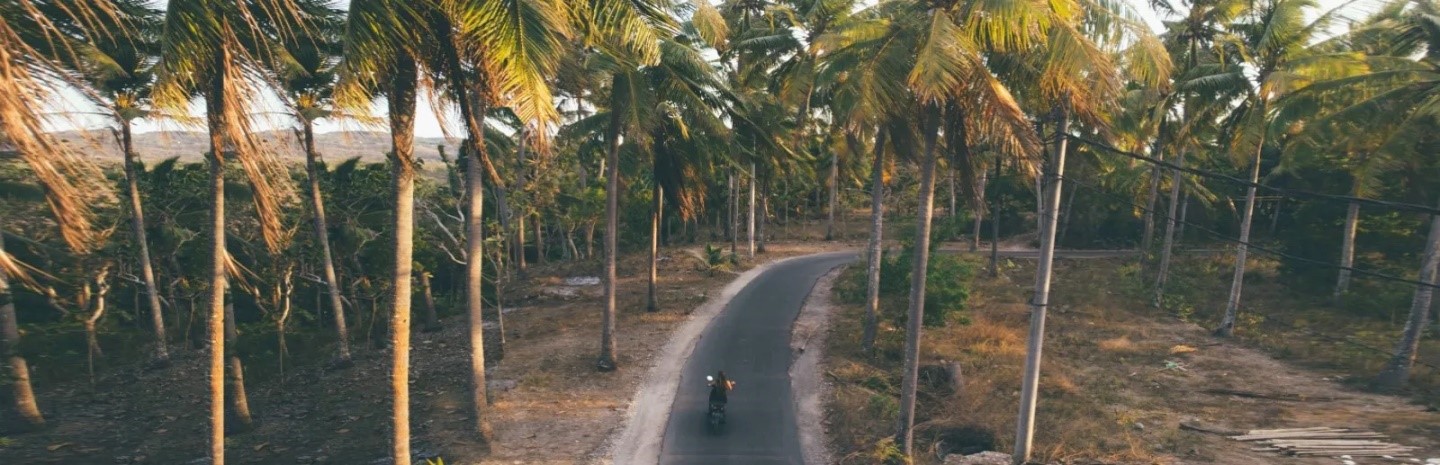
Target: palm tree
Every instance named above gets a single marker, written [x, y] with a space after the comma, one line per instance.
[42, 43]
[120, 70]
[1399, 93]
[214, 49]
[24, 394]
[383, 39]
[1274, 37]
[1189, 41]
[309, 86]
[924, 48]
[643, 24]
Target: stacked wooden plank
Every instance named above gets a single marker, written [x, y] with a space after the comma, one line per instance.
[1324, 441]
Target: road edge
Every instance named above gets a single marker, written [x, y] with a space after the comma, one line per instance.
[807, 383]
[649, 411]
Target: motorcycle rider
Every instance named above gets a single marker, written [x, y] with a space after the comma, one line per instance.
[720, 388]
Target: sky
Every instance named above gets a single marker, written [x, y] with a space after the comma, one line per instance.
[72, 113]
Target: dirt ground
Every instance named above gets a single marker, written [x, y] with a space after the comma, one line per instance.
[1118, 380]
[550, 406]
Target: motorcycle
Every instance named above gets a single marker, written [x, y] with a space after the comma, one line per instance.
[716, 415]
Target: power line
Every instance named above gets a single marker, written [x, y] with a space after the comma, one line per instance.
[1252, 246]
[1268, 318]
[1243, 182]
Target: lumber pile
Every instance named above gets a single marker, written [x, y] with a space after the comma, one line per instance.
[1323, 441]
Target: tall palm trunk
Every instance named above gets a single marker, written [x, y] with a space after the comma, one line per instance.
[1184, 213]
[402, 160]
[950, 174]
[1232, 306]
[1171, 220]
[474, 280]
[876, 246]
[1029, 387]
[473, 109]
[764, 216]
[732, 222]
[834, 185]
[995, 222]
[910, 377]
[519, 243]
[659, 205]
[750, 218]
[215, 329]
[607, 361]
[20, 386]
[979, 211]
[137, 225]
[1147, 238]
[1397, 371]
[1347, 243]
[322, 237]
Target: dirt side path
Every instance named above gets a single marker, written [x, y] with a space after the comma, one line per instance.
[1119, 378]
[807, 380]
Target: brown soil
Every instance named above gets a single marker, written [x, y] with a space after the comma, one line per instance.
[1116, 383]
[560, 410]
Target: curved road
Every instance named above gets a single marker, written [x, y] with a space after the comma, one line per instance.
[750, 340]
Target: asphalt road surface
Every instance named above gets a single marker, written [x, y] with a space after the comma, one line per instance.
[750, 341]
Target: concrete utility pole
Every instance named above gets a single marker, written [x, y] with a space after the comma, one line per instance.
[1025, 430]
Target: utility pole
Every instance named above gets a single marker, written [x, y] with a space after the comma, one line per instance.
[750, 223]
[1025, 430]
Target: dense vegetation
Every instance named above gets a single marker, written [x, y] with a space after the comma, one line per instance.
[600, 126]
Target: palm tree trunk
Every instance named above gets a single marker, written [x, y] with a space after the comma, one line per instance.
[1184, 213]
[1029, 389]
[750, 218]
[659, 204]
[1166, 251]
[1232, 305]
[137, 225]
[322, 237]
[519, 244]
[950, 173]
[541, 248]
[20, 386]
[910, 377]
[875, 247]
[995, 222]
[432, 320]
[402, 139]
[215, 329]
[1347, 245]
[764, 216]
[1147, 239]
[732, 220]
[239, 401]
[979, 211]
[607, 360]
[1397, 371]
[473, 109]
[834, 185]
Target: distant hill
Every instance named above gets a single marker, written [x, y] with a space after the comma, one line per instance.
[192, 145]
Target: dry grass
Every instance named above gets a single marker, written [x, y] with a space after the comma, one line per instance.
[1117, 380]
[559, 411]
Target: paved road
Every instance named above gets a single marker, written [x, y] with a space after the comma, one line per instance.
[750, 340]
